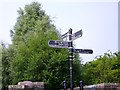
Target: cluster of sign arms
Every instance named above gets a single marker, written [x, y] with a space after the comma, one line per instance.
[65, 44]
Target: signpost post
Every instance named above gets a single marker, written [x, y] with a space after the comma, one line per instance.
[69, 45]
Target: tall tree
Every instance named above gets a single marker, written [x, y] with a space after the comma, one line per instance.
[6, 56]
[0, 66]
[33, 59]
[105, 69]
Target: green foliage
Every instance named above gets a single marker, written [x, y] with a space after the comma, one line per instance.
[105, 69]
[5, 64]
[0, 66]
[32, 58]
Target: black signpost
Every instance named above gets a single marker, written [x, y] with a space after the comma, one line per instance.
[69, 45]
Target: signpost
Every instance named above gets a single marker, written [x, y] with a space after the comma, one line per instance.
[69, 45]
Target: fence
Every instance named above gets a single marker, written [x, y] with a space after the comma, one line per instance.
[27, 85]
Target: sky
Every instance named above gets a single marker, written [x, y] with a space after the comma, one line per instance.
[98, 20]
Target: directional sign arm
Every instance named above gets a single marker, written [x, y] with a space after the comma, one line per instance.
[83, 51]
[51, 42]
[57, 44]
[64, 35]
[77, 34]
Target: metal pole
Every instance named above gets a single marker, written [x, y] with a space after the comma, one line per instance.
[81, 85]
[65, 86]
[70, 57]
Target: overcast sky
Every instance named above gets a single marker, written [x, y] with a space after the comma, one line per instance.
[98, 21]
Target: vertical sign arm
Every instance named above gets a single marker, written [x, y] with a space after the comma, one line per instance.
[71, 58]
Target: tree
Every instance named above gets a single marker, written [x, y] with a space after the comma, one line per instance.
[0, 66]
[105, 69]
[6, 56]
[32, 58]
